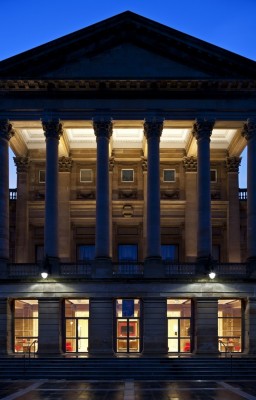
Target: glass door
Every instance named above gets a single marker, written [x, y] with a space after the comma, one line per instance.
[179, 325]
[128, 335]
[76, 325]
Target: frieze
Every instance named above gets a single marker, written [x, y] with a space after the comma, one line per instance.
[6, 131]
[190, 164]
[249, 129]
[52, 128]
[65, 164]
[22, 163]
[202, 128]
[233, 164]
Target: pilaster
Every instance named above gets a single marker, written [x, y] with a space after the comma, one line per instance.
[49, 330]
[155, 331]
[101, 327]
[250, 327]
[206, 326]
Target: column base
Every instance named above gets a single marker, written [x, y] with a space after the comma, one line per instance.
[102, 268]
[154, 267]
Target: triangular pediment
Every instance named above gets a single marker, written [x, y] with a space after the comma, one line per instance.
[127, 46]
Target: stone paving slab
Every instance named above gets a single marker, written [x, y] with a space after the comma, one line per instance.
[127, 390]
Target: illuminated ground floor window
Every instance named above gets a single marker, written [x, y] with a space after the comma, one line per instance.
[127, 326]
[179, 325]
[76, 326]
[25, 325]
[230, 325]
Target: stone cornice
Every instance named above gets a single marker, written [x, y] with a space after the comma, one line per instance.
[130, 85]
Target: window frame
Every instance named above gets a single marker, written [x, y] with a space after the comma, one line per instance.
[216, 175]
[80, 175]
[174, 173]
[133, 175]
[40, 172]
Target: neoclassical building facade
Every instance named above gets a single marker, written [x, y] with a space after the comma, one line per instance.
[128, 232]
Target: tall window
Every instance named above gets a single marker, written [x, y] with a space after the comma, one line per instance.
[25, 325]
[127, 313]
[170, 252]
[230, 325]
[86, 252]
[76, 325]
[127, 252]
[179, 325]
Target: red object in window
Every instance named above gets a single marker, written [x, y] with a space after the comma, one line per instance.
[187, 347]
[69, 346]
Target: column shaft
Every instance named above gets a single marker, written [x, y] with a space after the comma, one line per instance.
[65, 164]
[202, 131]
[52, 130]
[190, 165]
[103, 131]
[153, 130]
[5, 135]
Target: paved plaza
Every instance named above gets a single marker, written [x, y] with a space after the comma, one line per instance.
[126, 390]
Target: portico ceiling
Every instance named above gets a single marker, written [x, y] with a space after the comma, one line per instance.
[80, 135]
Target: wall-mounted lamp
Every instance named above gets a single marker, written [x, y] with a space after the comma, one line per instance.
[44, 274]
[45, 268]
[212, 274]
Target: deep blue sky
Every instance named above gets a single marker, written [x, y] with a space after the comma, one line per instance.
[230, 24]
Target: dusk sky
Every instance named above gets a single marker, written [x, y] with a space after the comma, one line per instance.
[230, 24]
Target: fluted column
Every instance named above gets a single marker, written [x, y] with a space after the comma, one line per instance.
[103, 132]
[152, 130]
[52, 130]
[202, 131]
[6, 133]
[249, 132]
[22, 241]
[234, 243]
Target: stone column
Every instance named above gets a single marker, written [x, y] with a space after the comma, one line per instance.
[234, 244]
[65, 164]
[5, 327]
[103, 132]
[250, 327]
[22, 241]
[152, 130]
[49, 331]
[145, 176]
[154, 327]
[249, 132]
[206, 326]
[6, 132]
[101, 327]
[111, 169]
[190, 166]
[52, 130]
[202, 131]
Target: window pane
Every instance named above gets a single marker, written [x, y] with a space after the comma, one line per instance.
[170, 252]
[213, 175]
[85, 175]
[25, 325]
[86, 252]
[127, 306]
[127, 252]
[127, 175]
[178, 308]
[169, 175]
[185, 345]
[77, 308]
[173, 345]
[230, 325]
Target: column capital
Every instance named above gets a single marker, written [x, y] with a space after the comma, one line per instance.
[190, 164]
[249, 129]
[103, 127]
[6, 130]
[22, 163]
[202, 128]
[233, 164]
[65, 164]
[52, 128]
[153, 127]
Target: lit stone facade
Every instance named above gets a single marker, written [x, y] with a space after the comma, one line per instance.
[127, 156]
